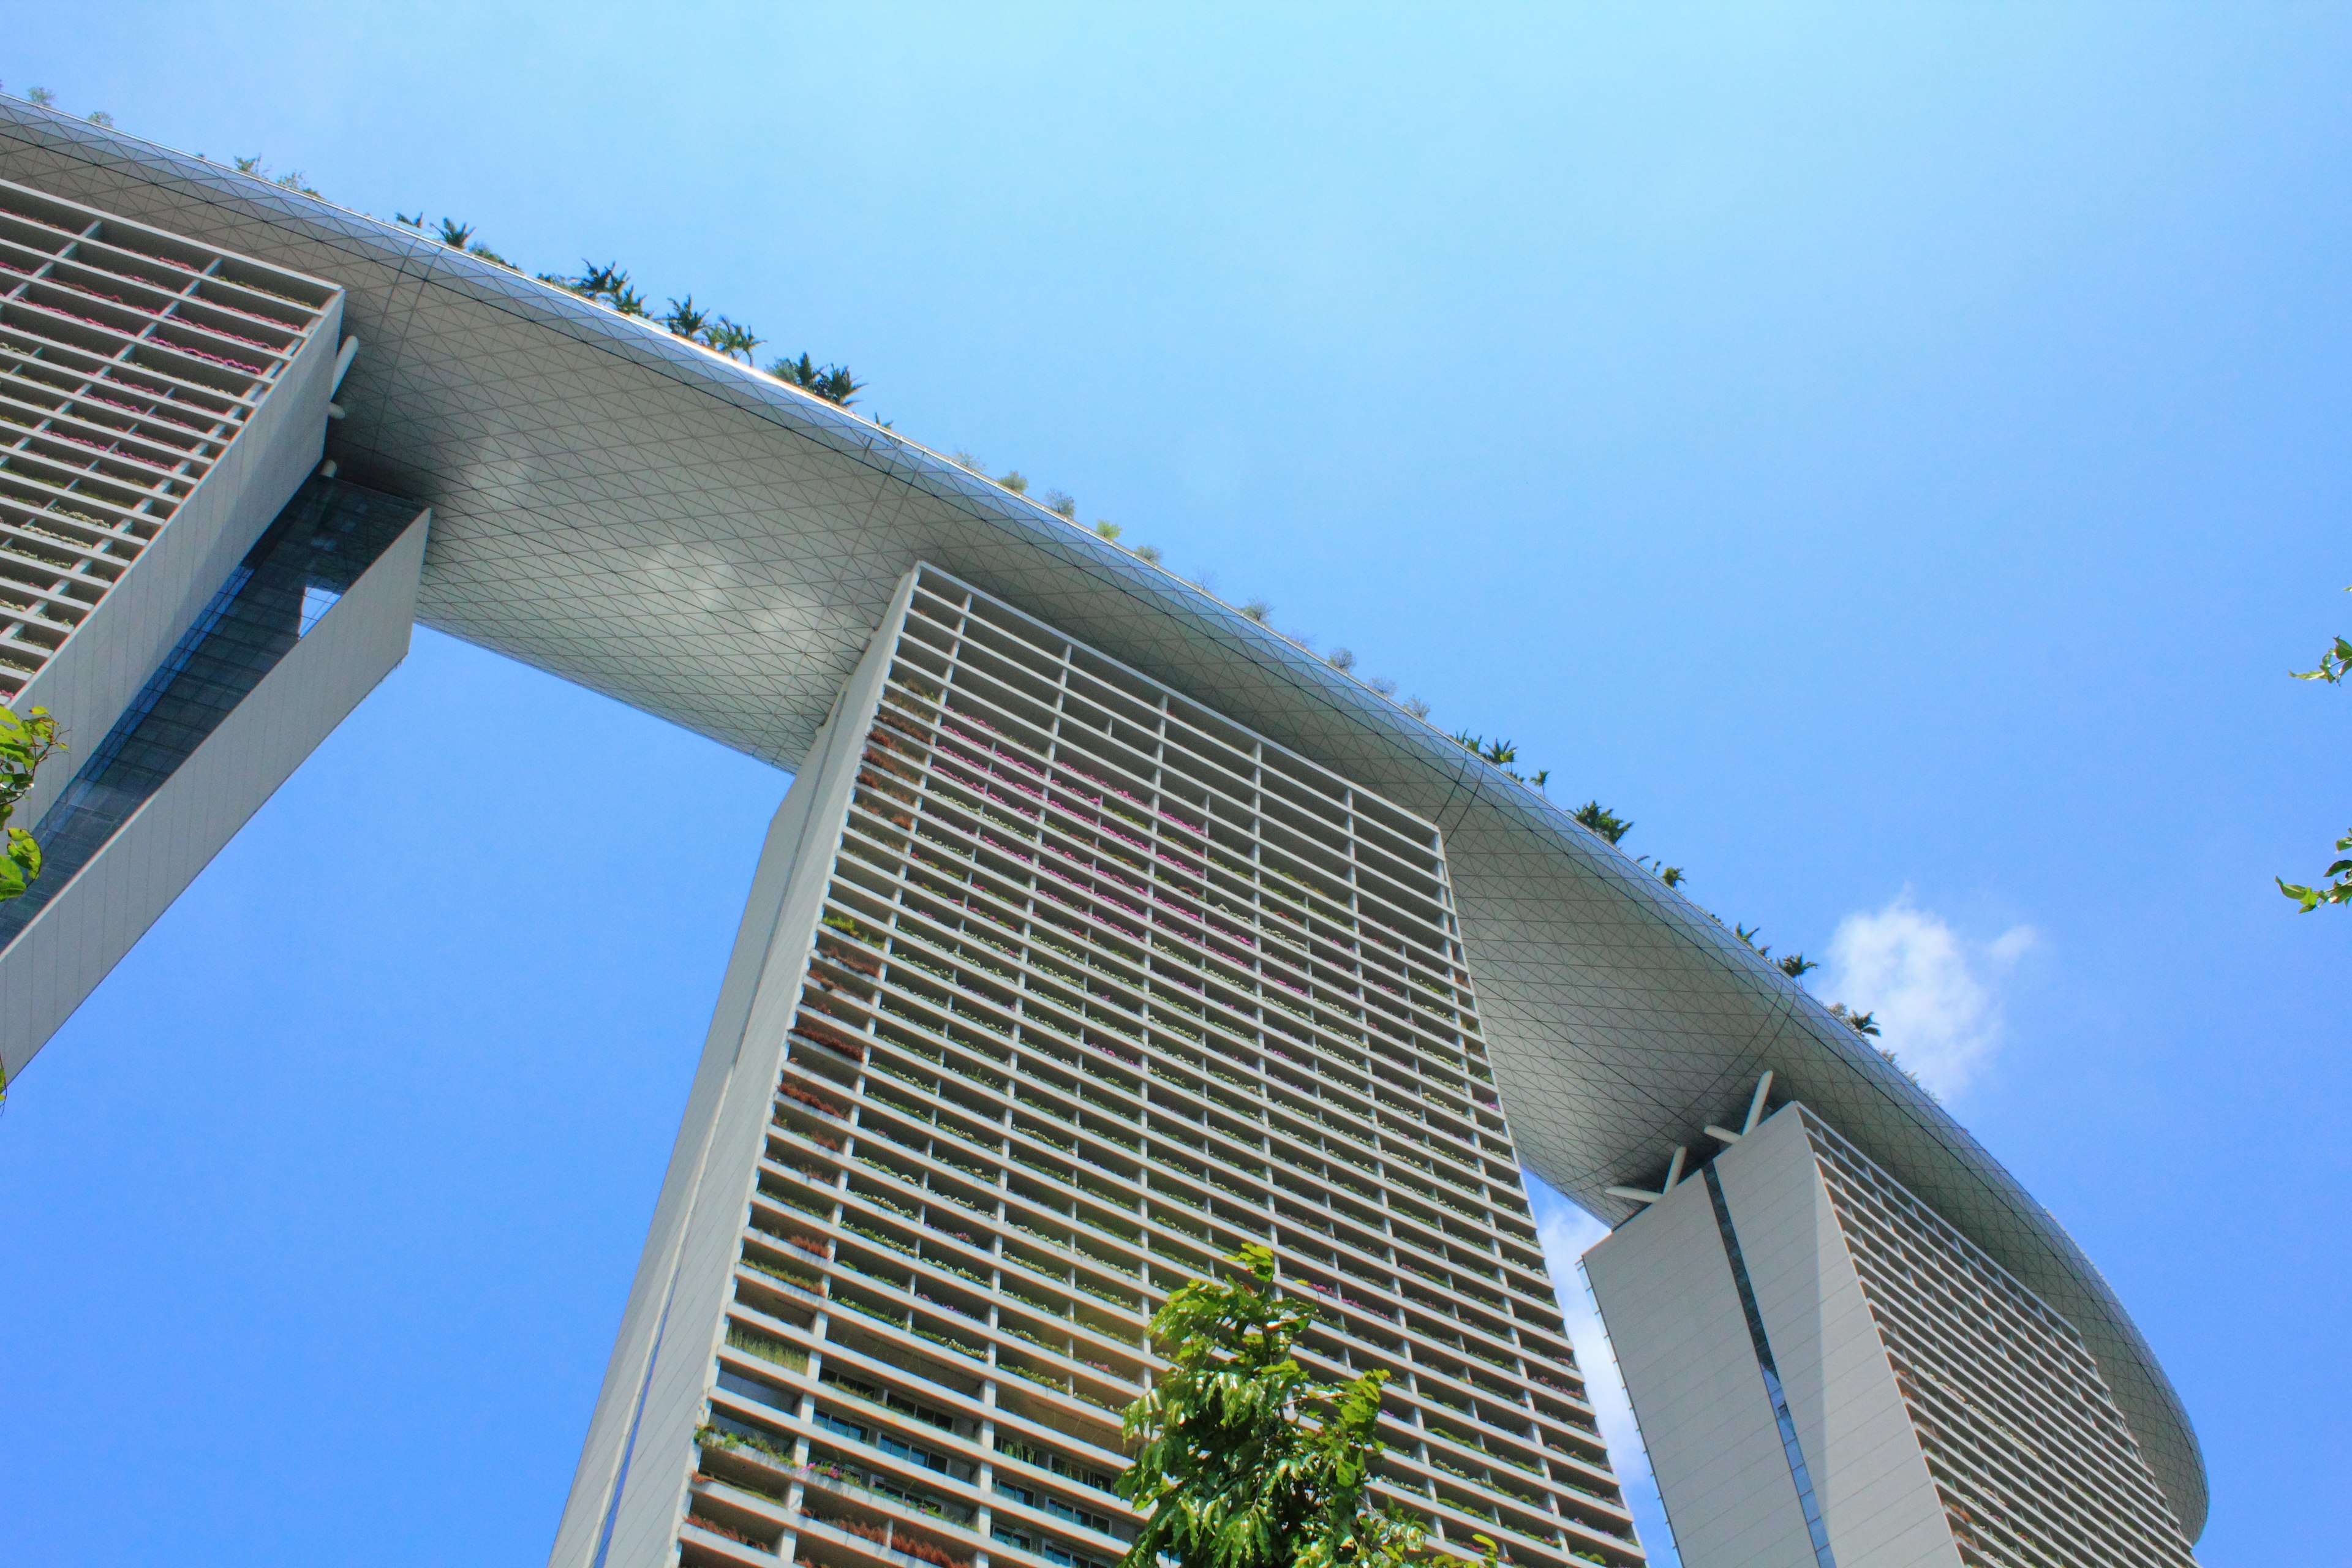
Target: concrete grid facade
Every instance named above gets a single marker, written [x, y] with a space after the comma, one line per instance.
[162, 403]
[1088, 988]
[129, 362]
[159, 401]
[1828, 1374]
[2031, 1461]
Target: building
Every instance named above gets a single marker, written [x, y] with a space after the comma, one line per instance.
[1825, 1372]
[518, 467]
[164, 402]
[1055, 987]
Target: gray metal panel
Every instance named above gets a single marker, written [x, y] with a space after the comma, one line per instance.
[1869, 1475]
[94, 920]
[677, 530]
[652, 1399]
[102, 667]
[1666, 1294]
[609, 1425]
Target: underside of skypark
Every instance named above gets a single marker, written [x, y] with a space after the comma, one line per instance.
[632, 514]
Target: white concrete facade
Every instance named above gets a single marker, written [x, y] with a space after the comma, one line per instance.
[94, 920]
[630, 1490]
[144, 454]
[160, 401]
[1675, 1321]
[1866, 1468]
[1053, 989]
[1941, 1416]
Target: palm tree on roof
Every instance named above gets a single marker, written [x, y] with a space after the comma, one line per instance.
[730, 338]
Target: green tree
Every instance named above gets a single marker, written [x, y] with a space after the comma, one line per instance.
[1795, 966]
[1860, 1023]
[731, 339]
[608, 283]
[684, 320]
[1242, 1460]
[1603, 821]
[24, 744]
[1502, 753]
[835, 385]
[2334, 666]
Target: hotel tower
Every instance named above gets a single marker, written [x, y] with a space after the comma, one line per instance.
[1055, 987]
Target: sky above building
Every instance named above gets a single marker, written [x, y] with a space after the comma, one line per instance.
[1895, 457]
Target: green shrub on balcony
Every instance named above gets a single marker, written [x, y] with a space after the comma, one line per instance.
[799, 1201]
[879, 1239]
[708, 1436]
[878, 1314]
[1051, 1309]
[1055, 1383]
[790, 1276]
[883, 1201]
[853, 928]
[767, 1347]
[1105, 1293]
[949, 1340]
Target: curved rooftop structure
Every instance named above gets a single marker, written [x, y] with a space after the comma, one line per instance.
[697, 539]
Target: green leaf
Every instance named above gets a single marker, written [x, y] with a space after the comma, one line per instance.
[25, 853]
[1243, 1460]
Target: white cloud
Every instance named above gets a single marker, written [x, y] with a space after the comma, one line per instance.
[1568, 1233]
[1934, 992]
[1931, 988]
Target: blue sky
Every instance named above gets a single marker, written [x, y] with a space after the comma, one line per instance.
[1894, 455]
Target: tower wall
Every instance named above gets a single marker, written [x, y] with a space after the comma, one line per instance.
[159, 401]
[1053, 988]
[1927, 1409]
[318, 614]
[1665, 1290]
